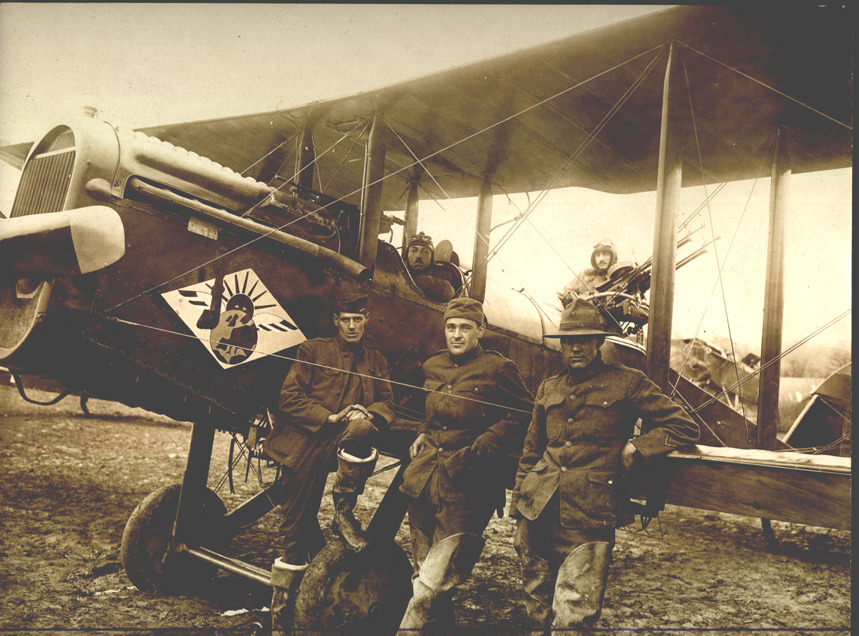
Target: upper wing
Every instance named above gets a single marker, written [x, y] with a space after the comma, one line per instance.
[545, 117]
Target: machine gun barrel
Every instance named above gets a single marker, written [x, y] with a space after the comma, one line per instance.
[639, 278]
[691, 257]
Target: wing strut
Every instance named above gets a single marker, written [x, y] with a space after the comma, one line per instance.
[304, 159]
[669, 177]
[411, 227]
[480, 265]
[371, 194]
[768, 416]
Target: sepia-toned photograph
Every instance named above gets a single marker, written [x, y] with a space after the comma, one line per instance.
[426, 318]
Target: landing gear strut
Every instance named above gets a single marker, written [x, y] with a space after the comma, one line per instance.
[171, 517]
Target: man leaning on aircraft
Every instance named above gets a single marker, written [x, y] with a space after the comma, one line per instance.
[570, 492]
[476, 411]
[335, 399]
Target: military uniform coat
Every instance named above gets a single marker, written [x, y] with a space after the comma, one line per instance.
[466, 396]
[578, 429]
[313, 390]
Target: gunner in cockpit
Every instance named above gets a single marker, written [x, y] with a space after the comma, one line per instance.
[603, 257]
[419, 256]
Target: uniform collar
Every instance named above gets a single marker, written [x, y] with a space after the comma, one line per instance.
[465, 357]
[588, 372]
[346, 347]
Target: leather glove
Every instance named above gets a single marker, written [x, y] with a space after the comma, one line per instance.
[486, 445]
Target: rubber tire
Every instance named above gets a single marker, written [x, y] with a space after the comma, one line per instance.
[146, 541]
[346, 592]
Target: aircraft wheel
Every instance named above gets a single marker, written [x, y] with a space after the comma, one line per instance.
[354, 593]
[146, 552]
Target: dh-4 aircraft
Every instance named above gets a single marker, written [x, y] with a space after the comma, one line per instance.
[178, 267]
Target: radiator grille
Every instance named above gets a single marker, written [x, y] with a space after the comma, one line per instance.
[44, 183]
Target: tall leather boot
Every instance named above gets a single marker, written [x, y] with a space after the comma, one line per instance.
[352, 474]
[538, 582]
[580, 587]
[285, 579]
[448, 564]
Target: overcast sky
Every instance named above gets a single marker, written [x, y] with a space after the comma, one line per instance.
[143, 65]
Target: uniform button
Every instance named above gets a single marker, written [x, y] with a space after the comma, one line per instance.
[563, 469]
[449, 386]
[570, 421]
[604, 403]
[477, 388]
[444, 428]
[440, 449]
[456, 365]
[568, 443]
[610, 482]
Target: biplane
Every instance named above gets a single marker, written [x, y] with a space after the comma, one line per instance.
[178, 267]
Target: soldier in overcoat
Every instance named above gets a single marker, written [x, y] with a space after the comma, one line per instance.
[334, 401]
[570, 492]
[477, 408]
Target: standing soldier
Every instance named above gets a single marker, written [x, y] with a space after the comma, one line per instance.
[476, 411]
[335, 399]
[570, 493]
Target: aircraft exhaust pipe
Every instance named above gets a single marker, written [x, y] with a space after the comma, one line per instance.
[225, 219]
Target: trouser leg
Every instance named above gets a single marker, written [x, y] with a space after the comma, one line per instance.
[447, 564]
[285, 579]
[581, 584]
[421, 526]
[538, 576]
[299, 499]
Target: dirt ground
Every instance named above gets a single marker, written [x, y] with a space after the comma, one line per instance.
[69, 484]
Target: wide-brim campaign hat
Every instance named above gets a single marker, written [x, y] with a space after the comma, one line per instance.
[579, 318]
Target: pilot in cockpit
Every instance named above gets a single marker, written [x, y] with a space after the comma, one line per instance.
[419, 255]
[603, 257]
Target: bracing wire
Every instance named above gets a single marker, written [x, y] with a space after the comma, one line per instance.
[569, 161]
[767, 86]
[235, 249]
[715, 246]
[269, 153]
[315, 161]
[394, 173]
[443, 150]
[789, 350]
[321, 366]
[559, 173]
[345, 157]
[718, 276]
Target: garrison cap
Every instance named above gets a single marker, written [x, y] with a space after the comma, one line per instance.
[420, 239]
[350, 303]
[465, 308]
[580, 318]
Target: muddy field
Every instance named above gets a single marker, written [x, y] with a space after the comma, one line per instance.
[70, 482]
